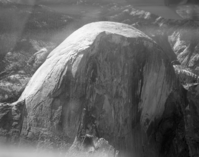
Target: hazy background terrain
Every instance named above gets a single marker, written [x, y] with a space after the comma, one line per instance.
[29, 26]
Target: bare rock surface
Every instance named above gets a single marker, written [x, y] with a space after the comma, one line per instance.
[116, 72]
[11, 120]
[184, 42]
[38, 58]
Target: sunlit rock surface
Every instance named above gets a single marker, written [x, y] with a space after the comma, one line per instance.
[115, 71]
[184, 42]
[38, 58]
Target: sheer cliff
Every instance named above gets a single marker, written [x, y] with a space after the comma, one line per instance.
[123, 80]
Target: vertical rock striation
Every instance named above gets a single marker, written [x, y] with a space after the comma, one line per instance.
[120, 76]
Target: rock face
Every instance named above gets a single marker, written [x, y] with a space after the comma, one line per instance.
[192, 119]
[38, 58]
[18, 70]
[119, 75]
[11, 120]
[184, 42]
[186, 77]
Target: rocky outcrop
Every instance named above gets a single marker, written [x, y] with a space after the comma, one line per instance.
[14, 76]
[11, 120]
[184, 42]
[123, 80]
[19, 68]
[12, 86]
[37, 59]
[186, 76]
